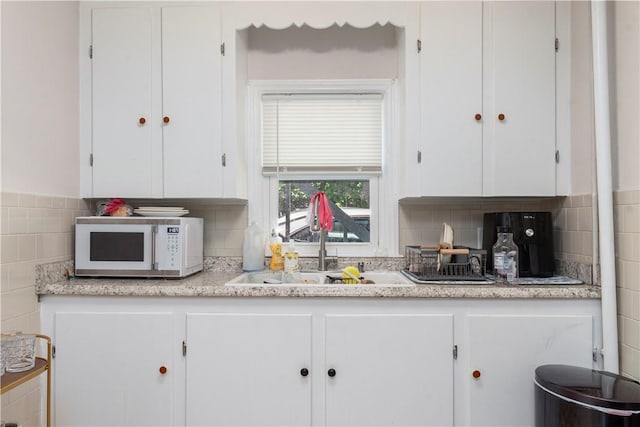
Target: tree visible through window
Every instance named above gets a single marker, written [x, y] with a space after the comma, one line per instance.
[350, 205]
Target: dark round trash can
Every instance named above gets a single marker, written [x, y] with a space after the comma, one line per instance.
[569, 396]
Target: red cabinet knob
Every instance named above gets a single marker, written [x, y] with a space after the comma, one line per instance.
[142, 120]
[478, 117]
[166, 119]
[163, 370]
[476, 374]
[501, 117]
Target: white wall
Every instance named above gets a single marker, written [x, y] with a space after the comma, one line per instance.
[624, 42]
[624, 49]
[332, 53]
[625, 71]
[624, 75]
[582, 137]
[40, 84]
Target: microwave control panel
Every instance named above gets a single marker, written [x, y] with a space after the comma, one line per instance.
[173, 247]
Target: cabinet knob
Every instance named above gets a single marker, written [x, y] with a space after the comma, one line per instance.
[501, 117]
[476, 374]
[166, 119]
[478, 117]
[162, 370]
[304, 372]
[142, 120]
[331, 372]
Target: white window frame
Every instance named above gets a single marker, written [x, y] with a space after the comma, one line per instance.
[263, 189]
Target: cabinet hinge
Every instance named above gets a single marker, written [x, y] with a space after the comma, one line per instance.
[90, 51]
[557, 44]
[419, 45]
[455, 352]
[557, 156]
[594, 354]
[222, 49]
[53, 351]
[184, 348]
[90, 159]
[419, 156]
[224, 160]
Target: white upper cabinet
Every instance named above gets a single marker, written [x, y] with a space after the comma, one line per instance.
[451, 77]
[192, 108]
[156, 80]
[164, 97]
[125, 76]
[520, 99]
[487, 75]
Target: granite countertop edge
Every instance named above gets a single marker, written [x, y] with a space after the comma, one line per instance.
[212, 284]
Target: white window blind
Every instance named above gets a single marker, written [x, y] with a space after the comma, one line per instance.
[322, 133]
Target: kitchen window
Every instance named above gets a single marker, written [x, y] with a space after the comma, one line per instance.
[324, 136]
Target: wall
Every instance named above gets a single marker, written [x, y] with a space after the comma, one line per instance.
[624, 71]
[39, 160]
[581, 99]
[625, 94]
[335, 52]
[624, 76]
[40, 98]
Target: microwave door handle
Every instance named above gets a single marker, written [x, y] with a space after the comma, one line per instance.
[154, 237]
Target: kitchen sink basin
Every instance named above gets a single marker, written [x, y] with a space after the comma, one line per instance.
[318, 278]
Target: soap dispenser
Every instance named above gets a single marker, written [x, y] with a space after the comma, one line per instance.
[277, 263]
[291, 259]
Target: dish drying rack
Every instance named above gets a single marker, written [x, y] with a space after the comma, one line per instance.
[427, 264]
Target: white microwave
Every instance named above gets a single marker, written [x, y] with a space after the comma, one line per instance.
[138, 246]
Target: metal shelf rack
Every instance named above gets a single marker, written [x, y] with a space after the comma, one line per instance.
[11, 380]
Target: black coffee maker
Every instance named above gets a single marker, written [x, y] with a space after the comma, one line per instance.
[532, 232]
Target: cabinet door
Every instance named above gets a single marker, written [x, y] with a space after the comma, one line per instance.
[505, 350]
[389, 370]
[451, 76]
[125, 92]
[107, 369]
[191, 94]
[520, 84]
[245, 370]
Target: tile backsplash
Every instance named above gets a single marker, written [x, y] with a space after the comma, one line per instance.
[34, 230]
[39, 230]
[626, 210]
[420, 223]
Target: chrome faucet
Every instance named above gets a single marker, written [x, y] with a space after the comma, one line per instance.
[322, 254]
[315, 227]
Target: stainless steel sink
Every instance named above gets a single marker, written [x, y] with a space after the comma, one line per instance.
[317, 278]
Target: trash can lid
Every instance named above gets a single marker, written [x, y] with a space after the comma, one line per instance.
[598, 388]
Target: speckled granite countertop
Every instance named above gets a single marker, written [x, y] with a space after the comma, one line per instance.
[212, 284]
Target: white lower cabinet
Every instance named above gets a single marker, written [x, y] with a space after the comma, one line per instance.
[503, 352]
[113, 369]
[388, 369]
[257, 369]
[247, 370]
[309, 361]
